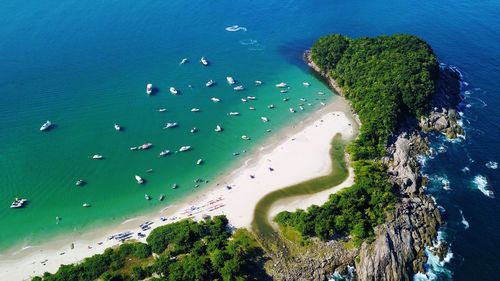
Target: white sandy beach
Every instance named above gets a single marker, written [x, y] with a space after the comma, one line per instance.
[297, 154]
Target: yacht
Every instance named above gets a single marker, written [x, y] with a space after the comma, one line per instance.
[218, 128]
[97, 156]
[145, 146]
[18, 203]
[239, 88]
[183, 61]
[282, 85]
[117, 127]
[184, 148]
[264, 119]
[251, 98]
[194, 130]
[139, 179]
[173, 91]
[291, 110]
[45, 125]
[306, 84]
[149, 89]
[86, 205]
[258, 82]
[80, 182]
[271, 106]
[147, 197]
[230, 80]
[245, 137]
[214, 99]
[210, 83]
[161, 197]
[199, 162]
[175, 186]
[204, 61]
[170, 125]
[233, 113]
[194, 109]
[162, 110]
[164, 152]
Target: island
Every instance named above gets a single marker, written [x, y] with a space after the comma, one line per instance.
[378, 228]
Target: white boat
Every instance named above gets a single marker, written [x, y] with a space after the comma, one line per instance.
[194, 109]
[286, 99]
[80, 182]
[264, 119]
[282, 85]
[322, 103]
[210, 83]
[86, 205]
[234, 28]
[162, 110]
[97, 156]
[45, 125]
[214, 99]
[251, 108]
[258, 82]
[271, 106]
[162, 196]
[301, 107]
[173, 91]
[117, 127]
[251, 98]
[302, 99]
[170, 125]
[199, 162]
[184, 148]
[244, 100]
[245, 137]
[18, 203]
[164, 152]
[183, 61]
[321, 93]
[145, 146]
[147, 197]
[233, 113]
[292, 110]
[139, 179]
[174, 186]
[194, 130]
[284, 91]
[218, 128]
[230, 80]
[149, 89]
[306, 84]
[239, 88]
[204, 61]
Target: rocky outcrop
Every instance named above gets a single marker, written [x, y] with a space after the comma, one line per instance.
[329, 80]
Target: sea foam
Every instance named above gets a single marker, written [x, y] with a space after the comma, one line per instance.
[492, 165]
[435, 269]
[464, 221]
[481, 183]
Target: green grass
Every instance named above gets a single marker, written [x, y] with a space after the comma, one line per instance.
[339, 173]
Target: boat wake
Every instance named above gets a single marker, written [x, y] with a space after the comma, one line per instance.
[480, 182]
[235, 28]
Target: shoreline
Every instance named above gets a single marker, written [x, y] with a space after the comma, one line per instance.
[280, 147]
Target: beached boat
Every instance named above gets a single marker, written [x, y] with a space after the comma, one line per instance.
[282, 85]
[175, 186]
[258, 82]
[271, 106]
[170, 125]
[218, 128]
[292, 110]
[117, 127]
[80, 182]
[264, 119]
[251, 98]
[139, 179]
[184, 148]
[147, 197]
[183, 61]
[97, 157]
[214, 99]
[234, 113]
[46, 126]
[86, 205]
[164, 152]
[145, 146]
[173, 91]
[204, 61]
[306, 84]
[194, 109]
[162, 110]
[230, 80]
[199, 162]
[18, 203]
[210, 83]
[162, 196]
[239, 88]
[149, 89]
[245, 137]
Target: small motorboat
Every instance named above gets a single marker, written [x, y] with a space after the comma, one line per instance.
[251, 108]
[210, 83]
[302, 99]
[149, 89]
[234, 113]
[194, 130]
[218, 128]
[239, 88]
[80, 182]
[139, 179]
[204, 61]
[117, 127]
[162, 196]
[214, 99]
[264, 119]
[244, 100]
[199, 162]
[18, 203]
[170, 125]
[164, 152]
[306, 84]
[86, 205]
[271, 106]
[286, 99]
[230, 80]
[145, 146]
[184, 148]
[46, 126]
[194, 109]
[258, 82]
[147, 197]
[162, 110]
[97, 157]
[251, 98]
[321, 93]
[301, 107]
[183, 61]
[282, 85]
[245, 137]
[292, 110]
[175, 186]
[173, 91]
[284, 91]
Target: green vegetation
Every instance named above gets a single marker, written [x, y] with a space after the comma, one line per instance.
[387, 79]
[185, 250]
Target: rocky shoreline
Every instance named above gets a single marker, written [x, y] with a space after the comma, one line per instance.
[397, 252]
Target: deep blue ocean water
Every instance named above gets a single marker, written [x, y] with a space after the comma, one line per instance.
[78, 59]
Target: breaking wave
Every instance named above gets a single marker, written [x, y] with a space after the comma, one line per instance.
[435, 269]
[464, 221]
[481, 183]
[492, 165]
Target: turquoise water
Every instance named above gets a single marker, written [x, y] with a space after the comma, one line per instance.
[85, 67]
